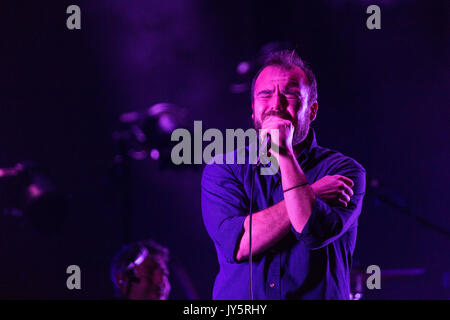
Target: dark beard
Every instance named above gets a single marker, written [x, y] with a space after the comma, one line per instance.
[300, 134]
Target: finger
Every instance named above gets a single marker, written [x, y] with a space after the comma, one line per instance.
[263, 134]
[348, 181]
[347, 190]
[279, 114]
[344, 196]
[342, 203]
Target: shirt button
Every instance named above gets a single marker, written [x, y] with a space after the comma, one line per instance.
[272, 285]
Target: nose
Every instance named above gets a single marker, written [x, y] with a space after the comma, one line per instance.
[278, 101]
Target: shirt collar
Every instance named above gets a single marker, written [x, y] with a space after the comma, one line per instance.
[310, 144]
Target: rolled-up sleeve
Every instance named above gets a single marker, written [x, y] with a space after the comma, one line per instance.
[328, 223]
[224, 209]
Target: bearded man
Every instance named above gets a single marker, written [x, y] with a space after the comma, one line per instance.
[304, 217]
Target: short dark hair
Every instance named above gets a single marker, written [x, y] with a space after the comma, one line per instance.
[288, 59]
[129, 253]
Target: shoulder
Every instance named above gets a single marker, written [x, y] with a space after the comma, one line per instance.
[223, 168]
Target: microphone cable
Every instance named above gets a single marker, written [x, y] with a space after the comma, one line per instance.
[250, 256]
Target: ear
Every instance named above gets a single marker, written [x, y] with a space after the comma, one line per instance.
[121, 281]
[313, 111]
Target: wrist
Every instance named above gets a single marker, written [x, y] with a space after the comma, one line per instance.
[286, 155]
[286, 161]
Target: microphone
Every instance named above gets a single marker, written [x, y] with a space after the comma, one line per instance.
[264, 149]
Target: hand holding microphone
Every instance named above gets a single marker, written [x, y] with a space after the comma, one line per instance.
[277, 131]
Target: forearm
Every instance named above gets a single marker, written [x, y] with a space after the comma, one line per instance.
[298, 201]
[268, 227]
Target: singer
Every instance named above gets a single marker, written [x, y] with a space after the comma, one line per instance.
[305, 217]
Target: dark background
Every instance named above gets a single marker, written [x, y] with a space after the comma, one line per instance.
[383, 100]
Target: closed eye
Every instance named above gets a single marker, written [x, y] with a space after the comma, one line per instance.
[293, 94]
[265, 94]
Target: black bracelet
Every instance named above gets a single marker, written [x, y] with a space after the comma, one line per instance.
[300, 185]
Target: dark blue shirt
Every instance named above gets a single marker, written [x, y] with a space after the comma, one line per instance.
[313, 264]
